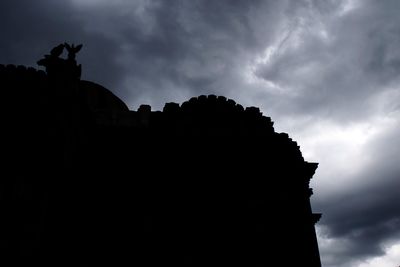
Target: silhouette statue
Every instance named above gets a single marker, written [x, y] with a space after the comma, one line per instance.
[58, 67]
[88, 182]
[72, 50]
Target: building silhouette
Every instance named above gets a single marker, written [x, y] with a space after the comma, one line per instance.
[88, 182]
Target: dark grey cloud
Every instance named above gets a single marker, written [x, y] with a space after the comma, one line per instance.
[188, 46]
[335, 62]
[321, 69]
[340, 66]
[362, 221]
[30, 29]
[361, 215]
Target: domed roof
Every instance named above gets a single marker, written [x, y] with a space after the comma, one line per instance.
[100, 98]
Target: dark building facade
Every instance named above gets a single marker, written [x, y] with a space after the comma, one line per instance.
[88, 182]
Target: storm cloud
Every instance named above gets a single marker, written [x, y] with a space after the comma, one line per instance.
[326, 71]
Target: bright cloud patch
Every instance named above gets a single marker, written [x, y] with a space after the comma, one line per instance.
[390, 259]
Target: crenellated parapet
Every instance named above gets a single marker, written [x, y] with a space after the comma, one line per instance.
[20, 73]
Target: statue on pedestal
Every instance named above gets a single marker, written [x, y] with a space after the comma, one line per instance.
[57, 67]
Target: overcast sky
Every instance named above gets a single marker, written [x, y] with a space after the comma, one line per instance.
[326, 71]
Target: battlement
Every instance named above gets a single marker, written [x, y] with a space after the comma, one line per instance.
[20, 72]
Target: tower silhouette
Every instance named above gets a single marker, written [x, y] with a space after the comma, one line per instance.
[89, 182]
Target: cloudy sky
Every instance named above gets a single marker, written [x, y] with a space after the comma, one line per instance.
[326, 71]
